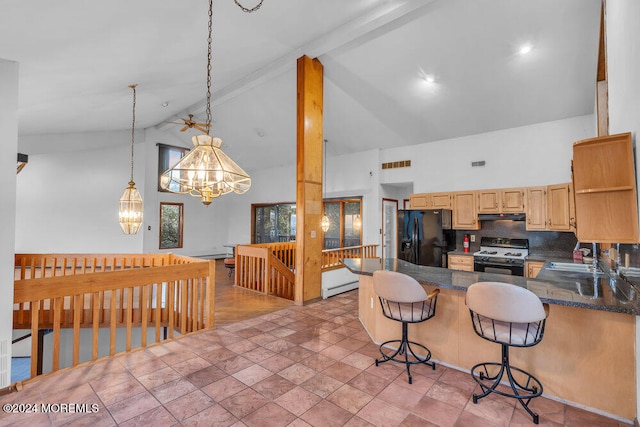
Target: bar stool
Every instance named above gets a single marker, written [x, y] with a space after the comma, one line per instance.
[512, 317]
[230, 264]
[404, 300]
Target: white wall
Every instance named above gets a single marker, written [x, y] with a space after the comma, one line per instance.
[538, 154]
[623, 68]
[8, 155]
[67, 199]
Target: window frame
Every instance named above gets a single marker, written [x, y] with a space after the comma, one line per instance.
[255, 206]
[163, 163]
[180, 225]
[342, 201]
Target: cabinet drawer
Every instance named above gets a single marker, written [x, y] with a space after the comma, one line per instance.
[461, 262]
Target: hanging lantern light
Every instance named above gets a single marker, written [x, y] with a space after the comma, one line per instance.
[357, 222]
[130, 212]
[206, 171]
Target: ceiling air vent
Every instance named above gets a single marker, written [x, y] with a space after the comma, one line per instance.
[394, 165]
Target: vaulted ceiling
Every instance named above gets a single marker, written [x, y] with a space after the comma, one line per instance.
[77, 59]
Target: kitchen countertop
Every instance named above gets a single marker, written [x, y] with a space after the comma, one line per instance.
[601, 292]
[460, 253]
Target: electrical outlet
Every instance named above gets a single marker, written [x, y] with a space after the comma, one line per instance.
[473, 238]
[371, 302]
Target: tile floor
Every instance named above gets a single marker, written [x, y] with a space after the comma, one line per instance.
[299, 366]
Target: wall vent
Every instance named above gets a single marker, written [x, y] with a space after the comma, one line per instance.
[394, 165]
[477, 164]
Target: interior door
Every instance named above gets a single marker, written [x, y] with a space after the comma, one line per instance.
[389, 228]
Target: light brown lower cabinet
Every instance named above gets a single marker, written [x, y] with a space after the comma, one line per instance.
[533, 268]
[460, 262]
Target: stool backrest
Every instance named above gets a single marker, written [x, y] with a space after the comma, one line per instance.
[397, 287]
[505, 302]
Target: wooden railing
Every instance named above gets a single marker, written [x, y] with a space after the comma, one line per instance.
[332, 258]
[270, 267]
[155, 292]
[267, 268]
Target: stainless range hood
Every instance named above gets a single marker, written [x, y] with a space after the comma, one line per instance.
[502, 217]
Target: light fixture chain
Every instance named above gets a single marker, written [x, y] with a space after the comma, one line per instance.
[209, 68]
[245, 9]
[133, 126]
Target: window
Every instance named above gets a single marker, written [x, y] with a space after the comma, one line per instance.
[168, 156]
[171, 218]
[343, 231]
[277, 223]
[274, 223]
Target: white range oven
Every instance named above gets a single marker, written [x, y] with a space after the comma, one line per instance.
[500, 255]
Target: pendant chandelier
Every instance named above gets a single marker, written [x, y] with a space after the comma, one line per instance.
[206, 171]
[324, 222]
[130, 213]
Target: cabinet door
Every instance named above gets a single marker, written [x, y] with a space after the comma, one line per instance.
[440, 201]
[604, 178]
[533, 268]
[512, 200]
[460, 262]
[465, 215]
[558, 207]
[418, 201]
[536, 208]
[488, 201]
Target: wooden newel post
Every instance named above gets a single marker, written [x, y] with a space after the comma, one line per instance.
[309, 235]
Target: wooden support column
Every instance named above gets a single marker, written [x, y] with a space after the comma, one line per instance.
[309, 235]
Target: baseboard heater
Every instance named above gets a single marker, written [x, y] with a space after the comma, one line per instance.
[338, 289]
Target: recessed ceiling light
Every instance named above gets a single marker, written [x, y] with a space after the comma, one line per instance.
[525, 49]
[165, 104]
[429, 79]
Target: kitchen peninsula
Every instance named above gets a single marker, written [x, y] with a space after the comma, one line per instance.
[587, 354]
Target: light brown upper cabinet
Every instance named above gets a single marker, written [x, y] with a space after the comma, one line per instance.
[536, 208]
[419, 200]
[440, 201]
[550, 208]
[560, 208]
[430, 201]
[488, 201]
[604, 179]
[465, 214]
[512, 200]
[504, 200]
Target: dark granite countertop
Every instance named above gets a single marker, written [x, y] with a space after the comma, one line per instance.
[597, 292]
[460, 253]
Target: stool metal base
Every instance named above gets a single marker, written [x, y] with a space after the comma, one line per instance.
[489, 383]
[403, 352]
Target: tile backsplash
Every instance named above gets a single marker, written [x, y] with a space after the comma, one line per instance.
[553, 243]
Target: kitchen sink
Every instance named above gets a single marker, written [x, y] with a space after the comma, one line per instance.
[572, 267]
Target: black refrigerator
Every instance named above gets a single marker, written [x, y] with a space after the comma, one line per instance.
[425, 237]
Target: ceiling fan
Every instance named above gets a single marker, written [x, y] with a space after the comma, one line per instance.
[191, 124]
